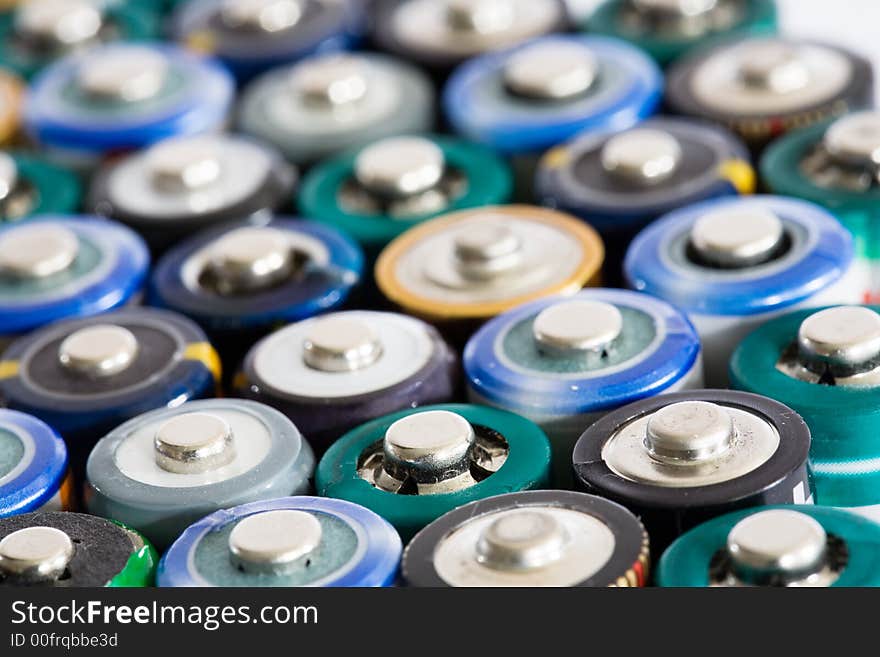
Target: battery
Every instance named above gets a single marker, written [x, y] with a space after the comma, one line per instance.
[667, 29]
[440, 34]
[185, 183]
[31, 185]
[57, 267]
[38, 32]
[533, 538]
[733, 263]
[33, 466]
[763, 86]
[123, 96]
[332, 373]
[677, 460]
[460, 269]
[84, 377]
[563, 362]
[167, 468]
[796, 546]
[834, 165]
[621, 181]
[73, 550]
[252, 36]
[292, 541]
[824, 364]
[377, 192]
[11, 92]
[413, 466]
[329, 103]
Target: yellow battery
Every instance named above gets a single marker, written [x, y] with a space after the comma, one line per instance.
[11, 90]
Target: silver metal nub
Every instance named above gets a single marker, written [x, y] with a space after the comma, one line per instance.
[642, 155]
[855, 139]
[570, 328]
[193, 443]
[99, 350]
[487, 249]
[8, 175]
[551, 71]
[739, 236]
[35, 554]
[340, 344]
[330, 81]
[676, 8]
[523, 540]
[261, 15]
[37, 250]
[428, 447]
[274, 542]
[480, 16]
[185, 163]
[844, 336]
[776, 545]
[62, 23]
[399, 167]
[251, 258]
[775, 67]
[129, 75]
[689, 432]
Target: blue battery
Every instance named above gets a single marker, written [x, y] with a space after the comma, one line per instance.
[536, 95]
[65, 266]
[315, 541]
[238, 34]
[124, 96]
[563, 362]
[33, 465]
[733, 263]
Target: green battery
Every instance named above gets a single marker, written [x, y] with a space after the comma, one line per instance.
[413, 466]
[825, 364]
[40, 31]
[834, 165]
[666, 30]
[796, 546]
[30, 185]
[60, 548]
[377, 192]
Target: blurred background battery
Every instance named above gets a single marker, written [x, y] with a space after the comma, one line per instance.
[33, 466]
[797, 546]
[292, 541]
[667, 29]
[38, 32]
[620, 182]
[121, 97]
[835, 164]
[11, 91]
[332, 373]
[731, 264]
[240, 281]
[377, 192]
[413, 466]
[534, 538]
[825, 364]
[165, 469]
[440, 34]
[677, 460]
[330, 103]
[563, 362]
[31, 185]
[465, 267]
[65, 266]
[73, 550]
[524, 100]
[86, 376]
[182, 184]
[762, 87]
[252, 36]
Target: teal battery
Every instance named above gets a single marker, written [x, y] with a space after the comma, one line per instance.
[184, 184]
[253, 36]
[825, 364]
[30, 185]
[563, 362]
[166, 469]
[286, 542]
[733, 263]
[329, 103]
[66, 266]
[38, 32]
[792, 546]
[33, 466]
[121, 97]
